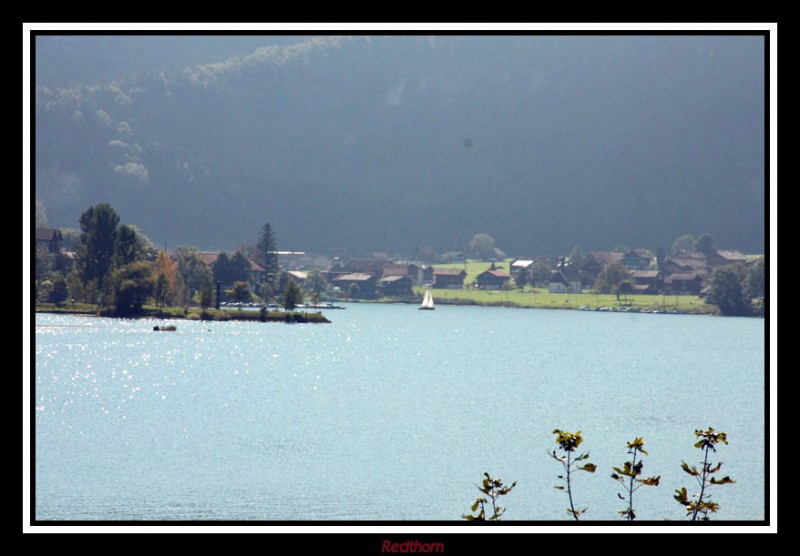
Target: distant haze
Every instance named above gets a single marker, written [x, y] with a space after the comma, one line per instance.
[386, 143]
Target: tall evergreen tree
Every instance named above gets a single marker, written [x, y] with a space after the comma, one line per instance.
[128, 248]
[239, 269]
[222, 269]
[97, 244]
[268, 251]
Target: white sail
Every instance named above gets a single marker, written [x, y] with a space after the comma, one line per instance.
[427, 302]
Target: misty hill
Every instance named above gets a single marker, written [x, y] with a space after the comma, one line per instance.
[385, 143]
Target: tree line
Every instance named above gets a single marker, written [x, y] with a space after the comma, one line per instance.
[115, 265]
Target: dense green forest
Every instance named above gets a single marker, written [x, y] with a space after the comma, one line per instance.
[387, 143]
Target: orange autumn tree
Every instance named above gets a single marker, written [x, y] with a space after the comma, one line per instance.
[166, 272]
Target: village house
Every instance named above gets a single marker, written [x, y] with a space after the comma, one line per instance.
[683, 264]
[518, 265]
[48, 238]
[564, 280]
[492, 279]
[449, 278]
[637, 259]
[364, 284]
[418, 274]
[684, 283]
[646, 281]
[395, 286]
[298, 276]
[720, 257]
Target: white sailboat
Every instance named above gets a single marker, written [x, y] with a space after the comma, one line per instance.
[427, 302]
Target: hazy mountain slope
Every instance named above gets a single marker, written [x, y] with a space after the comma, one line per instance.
[386, 143]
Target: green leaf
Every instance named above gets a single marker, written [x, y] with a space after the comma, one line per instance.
[474, 507]
[590, 467]
[681, 496]
[559, 487]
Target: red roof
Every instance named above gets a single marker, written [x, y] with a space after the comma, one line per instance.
[498, 273]
[448, 271]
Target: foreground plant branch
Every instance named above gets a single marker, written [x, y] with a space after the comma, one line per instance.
[702, 505]
[494, 489]
[629, 473]
[567, 444]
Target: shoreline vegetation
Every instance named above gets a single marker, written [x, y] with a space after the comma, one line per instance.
[536, 299]
[182, 313]
[541, 299]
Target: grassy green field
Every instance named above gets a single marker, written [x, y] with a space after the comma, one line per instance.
[541, 298]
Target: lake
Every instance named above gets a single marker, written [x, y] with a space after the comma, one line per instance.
[388, 413]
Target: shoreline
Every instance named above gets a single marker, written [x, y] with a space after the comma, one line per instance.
[616, 307]
[193, 314]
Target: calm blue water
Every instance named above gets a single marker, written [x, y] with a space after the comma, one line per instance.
[389, 413]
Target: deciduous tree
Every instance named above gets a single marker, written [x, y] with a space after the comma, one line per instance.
[293, 296]
[610, 277]
[131, 286]
[705, 243]
[192, 267]
[577, 257]
[481, 247]
[241, 292]
[58, 289]
[684, 243]
[727, 290]
[206, 293]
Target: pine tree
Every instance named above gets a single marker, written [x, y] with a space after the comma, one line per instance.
[268, 251]
[96, 246]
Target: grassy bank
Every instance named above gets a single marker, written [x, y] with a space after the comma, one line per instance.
[541, 299]
[193, 313]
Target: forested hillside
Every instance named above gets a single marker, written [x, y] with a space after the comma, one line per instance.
[385, 143]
